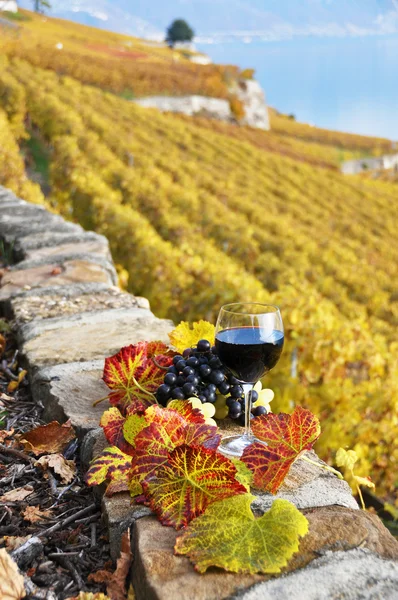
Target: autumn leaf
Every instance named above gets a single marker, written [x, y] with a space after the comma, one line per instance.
[347, 459]
[229, 536]
[112, 465]
[2, 344]
[286, 437]
[18, 494]
[13, 542]
[167, 430]
[66, 469]
[186, 410]
[90, 596]
[101, 576]
[132, 374]
[121, 431]
[5, 434]
[48, 439]
[183, 336]
[14, 385]
[190, 480]
[116, 588]
[34, 514]
[11, 581]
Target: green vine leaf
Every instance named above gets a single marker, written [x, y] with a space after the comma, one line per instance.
[229, 536]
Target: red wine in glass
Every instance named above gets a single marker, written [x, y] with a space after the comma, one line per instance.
[249, 342]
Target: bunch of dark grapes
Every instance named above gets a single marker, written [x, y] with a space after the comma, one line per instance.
[199, 373]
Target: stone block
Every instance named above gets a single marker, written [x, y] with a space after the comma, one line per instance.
[29, 246]
[333, 531]
[69, 391]
[50, 275]
[48, 306]
[30, 219]
[89, 336]
[120, 512]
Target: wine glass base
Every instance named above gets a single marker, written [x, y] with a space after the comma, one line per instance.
[234, 445]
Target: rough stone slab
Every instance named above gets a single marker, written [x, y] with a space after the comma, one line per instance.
[354, 575]
[159, 575]
[68, 392]
[89, 336]
[38, 307]
[26, 247]
[307, 486]
[93, 443]
[50, 275]
[120, 512]
[93, 248]
[28, 221]
[61, 259]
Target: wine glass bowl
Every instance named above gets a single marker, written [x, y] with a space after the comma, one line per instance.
[249, 342]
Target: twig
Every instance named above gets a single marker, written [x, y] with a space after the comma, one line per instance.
[62, 555]
[74, 572]
[67, 521]
[16, 454]
[93, 535]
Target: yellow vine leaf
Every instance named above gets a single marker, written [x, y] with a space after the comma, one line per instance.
[183, 336]
[229, 536]
[347, 460]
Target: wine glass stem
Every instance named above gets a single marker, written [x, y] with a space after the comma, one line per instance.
[247, 388]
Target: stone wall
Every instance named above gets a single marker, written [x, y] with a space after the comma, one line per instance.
[248, 91]
[68, 314]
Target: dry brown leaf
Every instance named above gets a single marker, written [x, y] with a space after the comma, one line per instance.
[14, 385]
[116, 588]
[101, 576]
[33, 514]
[66, 469]
[5, 397]
[2, 344]
[89, 596]
[13, 542]
[11, 581]
[48, 439]
[17, 495]
[5, 434]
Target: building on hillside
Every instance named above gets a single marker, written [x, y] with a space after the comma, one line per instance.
[9, 6]
[378, 163]
[200, 59]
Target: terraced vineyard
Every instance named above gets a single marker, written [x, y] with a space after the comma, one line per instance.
[201, 214]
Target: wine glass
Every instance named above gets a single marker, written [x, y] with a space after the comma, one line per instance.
[249, 342]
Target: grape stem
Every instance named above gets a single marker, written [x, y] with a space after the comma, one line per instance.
[158, 365]
[322, 466]
[100, 400]
[143, 389]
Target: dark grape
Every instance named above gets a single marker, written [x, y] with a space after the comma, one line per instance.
[254, 396]
[172, 370]
[259, 410]
[181, 365]
[204, 346]
[187, 353]
[203, 360]
[176, 359]
[188, 389]
[231, 401]
[193, 379]
[177, 394]
[216, 377]
[235, 408]
[224, 388]
[180, 381]
[193, 362]
[188, 371]
[236, 391]
[211, 396]
[232, 380]
[202, 398]
[211, 387]
[214, 350]
[163, 392]
[204, 370]
[215, 362]
[170, 378]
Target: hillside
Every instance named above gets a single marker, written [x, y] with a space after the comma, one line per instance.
[201, 213]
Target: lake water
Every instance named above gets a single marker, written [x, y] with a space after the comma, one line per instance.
[348, 84]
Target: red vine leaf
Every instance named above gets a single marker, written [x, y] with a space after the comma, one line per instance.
[287, 437]
[133, 365]
[190, 480]
[186, 410]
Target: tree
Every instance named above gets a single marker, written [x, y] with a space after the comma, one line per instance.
[179, 31]
[41, 5]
